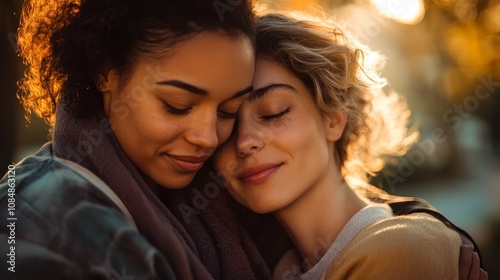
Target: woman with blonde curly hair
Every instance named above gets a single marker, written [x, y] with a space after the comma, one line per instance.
[316, 124]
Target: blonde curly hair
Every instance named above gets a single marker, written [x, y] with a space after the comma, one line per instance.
[343, 76]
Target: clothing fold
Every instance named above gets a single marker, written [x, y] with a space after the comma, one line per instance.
[212, 244]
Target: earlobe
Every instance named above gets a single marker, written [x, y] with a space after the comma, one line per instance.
[105, 81]
[335, 124]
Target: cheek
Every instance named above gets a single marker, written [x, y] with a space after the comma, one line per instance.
[224, 129]
[226, 164]
[218, 160]
[147, 127]
[223, 158]
[296, 133]
[308, 139]
[134, 136]
[146, 124]
[152, 131]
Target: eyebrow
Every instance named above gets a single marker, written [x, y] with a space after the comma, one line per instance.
[249, 89]
[200, 91]
[184, 86]
[261, 92]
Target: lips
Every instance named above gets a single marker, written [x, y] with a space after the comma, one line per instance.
[258, 174]
[187, 164]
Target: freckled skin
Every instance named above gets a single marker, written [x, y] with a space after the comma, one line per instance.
[150, 131]
[297, 140]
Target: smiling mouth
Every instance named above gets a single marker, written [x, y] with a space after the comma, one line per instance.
[258, 174]
[187, 164]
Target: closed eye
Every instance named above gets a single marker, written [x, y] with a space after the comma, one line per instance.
[275, 116]
[176, 111]
[228, 116]
[229, 109]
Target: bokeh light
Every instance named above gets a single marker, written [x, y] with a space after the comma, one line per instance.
[403, 11]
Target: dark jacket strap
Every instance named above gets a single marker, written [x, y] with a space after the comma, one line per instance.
[410, 205]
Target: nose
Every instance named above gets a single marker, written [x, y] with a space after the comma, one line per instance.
[249, 139]
[203, 131]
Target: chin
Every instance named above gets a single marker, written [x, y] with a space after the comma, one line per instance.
[261, 207]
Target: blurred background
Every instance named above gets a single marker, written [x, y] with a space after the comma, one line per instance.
[443, 56]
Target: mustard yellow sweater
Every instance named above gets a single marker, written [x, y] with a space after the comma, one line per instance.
[415, 246]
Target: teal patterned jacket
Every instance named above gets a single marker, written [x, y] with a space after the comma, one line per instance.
[57, 224]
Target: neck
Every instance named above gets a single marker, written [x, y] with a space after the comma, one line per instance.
[315, 219]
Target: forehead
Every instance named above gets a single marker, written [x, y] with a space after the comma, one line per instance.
[213, 47]
[211, 60]
[269, 72]
[272, 78]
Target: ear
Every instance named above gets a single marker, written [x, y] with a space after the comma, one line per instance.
[108, 86]
[334, 125]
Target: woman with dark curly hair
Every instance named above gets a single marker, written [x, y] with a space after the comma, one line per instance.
[138, 95]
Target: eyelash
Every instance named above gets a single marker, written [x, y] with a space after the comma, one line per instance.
[228, 116]
[180, 112]
[176, 111]
[275, 116]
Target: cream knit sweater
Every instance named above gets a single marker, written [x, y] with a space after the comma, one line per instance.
[415, 246]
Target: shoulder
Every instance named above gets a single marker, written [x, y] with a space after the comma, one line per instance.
[51, 193]
[63, 221]
[50, 197]
[408, 231]
[47, 198]
[415, 246]
[44, 173]
[45, 182]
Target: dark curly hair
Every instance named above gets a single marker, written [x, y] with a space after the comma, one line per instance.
[68, 44]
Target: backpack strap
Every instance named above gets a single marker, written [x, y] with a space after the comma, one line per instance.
[410, 205]
[471, 267]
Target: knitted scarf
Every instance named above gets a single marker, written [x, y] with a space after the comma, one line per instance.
[200, 236]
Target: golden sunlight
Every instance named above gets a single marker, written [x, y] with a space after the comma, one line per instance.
[407, 11]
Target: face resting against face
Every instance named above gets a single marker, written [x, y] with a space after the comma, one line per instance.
[282, 146]
[171, 114]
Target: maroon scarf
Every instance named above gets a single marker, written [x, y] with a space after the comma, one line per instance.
[200, 240]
